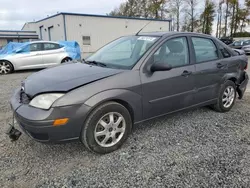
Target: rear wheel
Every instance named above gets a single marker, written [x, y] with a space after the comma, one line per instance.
[6, 67]
[226, 97]
[106, 128]
[66, 60]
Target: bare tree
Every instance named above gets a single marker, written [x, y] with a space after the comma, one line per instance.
[175, 9]
[226, 16]
[192, 5]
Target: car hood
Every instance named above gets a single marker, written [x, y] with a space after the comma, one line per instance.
[65, 77]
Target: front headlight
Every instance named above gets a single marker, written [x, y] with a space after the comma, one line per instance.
[44, 101]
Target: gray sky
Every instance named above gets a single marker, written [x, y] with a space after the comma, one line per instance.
[14, 13]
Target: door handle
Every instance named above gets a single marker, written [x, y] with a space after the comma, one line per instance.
[186, 73]
[219, 65]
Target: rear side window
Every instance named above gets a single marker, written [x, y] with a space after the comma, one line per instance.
[50, 46]
[205, 49]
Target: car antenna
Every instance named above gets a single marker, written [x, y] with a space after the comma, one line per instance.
[143, 28]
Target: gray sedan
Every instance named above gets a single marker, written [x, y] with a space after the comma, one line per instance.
[128, 81]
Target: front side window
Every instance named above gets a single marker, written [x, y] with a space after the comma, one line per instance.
[173, 52]
[205, 49]
[35, 47]
[50, 46]
[123, 52]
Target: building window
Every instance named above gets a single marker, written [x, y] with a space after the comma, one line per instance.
[86, 40]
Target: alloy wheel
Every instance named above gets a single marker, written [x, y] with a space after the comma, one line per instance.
[110, 129]
[5, 68]
[228, 97]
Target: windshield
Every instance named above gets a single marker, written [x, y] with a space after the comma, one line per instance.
[124, 52]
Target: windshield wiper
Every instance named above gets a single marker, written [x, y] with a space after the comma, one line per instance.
[96, 63]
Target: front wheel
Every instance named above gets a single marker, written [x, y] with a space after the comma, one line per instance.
[226, 97]
[5, 67]
[106, 128]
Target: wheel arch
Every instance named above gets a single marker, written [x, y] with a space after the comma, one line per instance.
[130, 100]
[67, 57]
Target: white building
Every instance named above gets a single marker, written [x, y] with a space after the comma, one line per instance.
[92, 31]
[7, 36]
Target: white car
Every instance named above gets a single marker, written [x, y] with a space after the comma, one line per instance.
[36, 55]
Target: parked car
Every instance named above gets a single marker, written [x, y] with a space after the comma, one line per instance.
[246, 47]
[128, 81]
[38, 54]
[227, 40]
[239, 44]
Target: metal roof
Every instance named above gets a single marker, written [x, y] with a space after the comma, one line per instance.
[17, 31]
[104, 16]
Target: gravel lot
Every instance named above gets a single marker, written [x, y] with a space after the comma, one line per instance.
[196, 148]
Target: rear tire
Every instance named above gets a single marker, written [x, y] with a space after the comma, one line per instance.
[66, 59]
[6, 67]
[227, 96]
[106, 128]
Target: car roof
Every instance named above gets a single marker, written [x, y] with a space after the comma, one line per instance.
[166, 34]
[43, 41]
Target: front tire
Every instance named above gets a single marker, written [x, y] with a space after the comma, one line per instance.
[227, 96]
[6, 67]
[106, 128]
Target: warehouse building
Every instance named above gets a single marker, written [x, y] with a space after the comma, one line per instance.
[7, 36]
[92, 31]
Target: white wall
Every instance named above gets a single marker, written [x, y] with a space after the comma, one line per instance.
[3, 42]
[30, 26]
[57, 33]
[103, 30]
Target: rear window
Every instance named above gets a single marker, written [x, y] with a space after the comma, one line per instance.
[50, 46]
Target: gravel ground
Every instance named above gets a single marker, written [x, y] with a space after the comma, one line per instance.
[196, 148]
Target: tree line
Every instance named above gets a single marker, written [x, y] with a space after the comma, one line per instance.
[229, 16]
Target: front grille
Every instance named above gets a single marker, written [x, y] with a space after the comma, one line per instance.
[24, 98]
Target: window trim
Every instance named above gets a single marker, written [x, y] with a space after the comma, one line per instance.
[41, 49]
[194, 54]
[167, 39]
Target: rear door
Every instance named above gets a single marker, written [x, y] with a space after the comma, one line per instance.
[52, 54]
[209, 69]
[30, 57]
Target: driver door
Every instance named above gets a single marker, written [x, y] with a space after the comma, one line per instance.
[30, 57]
[172, 90]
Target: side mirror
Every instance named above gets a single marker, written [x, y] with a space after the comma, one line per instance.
[160, 67]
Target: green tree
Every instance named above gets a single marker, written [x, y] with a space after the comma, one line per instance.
[207, 17]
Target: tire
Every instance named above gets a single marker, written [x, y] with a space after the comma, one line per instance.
[66, 59]
[224, 103]
[99, 139]
[6, 67]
